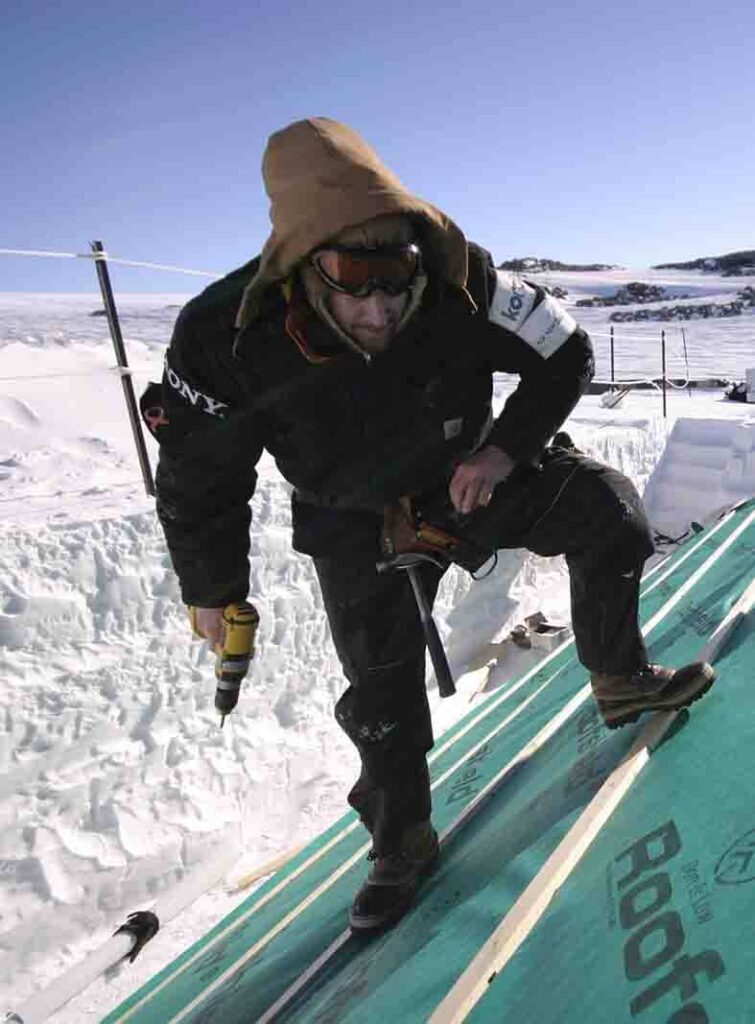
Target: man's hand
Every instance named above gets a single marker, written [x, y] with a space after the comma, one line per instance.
[475, 479]
[208, 623]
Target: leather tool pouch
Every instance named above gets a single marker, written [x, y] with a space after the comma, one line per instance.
[407, 527]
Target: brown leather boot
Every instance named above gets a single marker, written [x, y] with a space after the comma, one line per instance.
[622, 699]
[393, 879]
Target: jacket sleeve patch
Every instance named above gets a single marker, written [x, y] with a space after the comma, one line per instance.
[512, 301]
[543, 325]
[548, 327]
[195, 397]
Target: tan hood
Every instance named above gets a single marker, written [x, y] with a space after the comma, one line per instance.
[321, 178]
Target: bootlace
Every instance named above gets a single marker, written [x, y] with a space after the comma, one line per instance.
[649, 671]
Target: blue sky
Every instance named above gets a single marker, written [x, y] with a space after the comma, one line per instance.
[583, 131]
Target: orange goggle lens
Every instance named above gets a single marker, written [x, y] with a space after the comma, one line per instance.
[359, 272]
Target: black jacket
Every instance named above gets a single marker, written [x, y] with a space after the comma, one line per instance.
[346, 432]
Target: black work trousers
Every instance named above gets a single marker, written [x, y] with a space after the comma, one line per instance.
[573, 506]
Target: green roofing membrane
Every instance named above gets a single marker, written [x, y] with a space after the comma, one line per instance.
[484, 867]
[656, 922]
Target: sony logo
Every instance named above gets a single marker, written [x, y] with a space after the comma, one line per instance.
[193, 395]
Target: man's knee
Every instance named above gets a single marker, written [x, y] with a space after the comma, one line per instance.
[631, 518]
[621, 534]
[388, 710]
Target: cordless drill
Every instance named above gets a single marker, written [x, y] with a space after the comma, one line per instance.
[240, 623]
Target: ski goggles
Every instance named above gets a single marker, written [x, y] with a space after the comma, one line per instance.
[359, 272]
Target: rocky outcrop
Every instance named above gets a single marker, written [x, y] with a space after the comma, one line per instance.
[700, 311]
[631, 294]
[536, 265]
[556, 291]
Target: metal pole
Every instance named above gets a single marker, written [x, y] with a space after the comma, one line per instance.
[663, 362]
[103, 277]
[612, 364]
[686, 364]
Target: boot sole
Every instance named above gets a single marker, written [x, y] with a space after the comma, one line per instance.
[631, 716]
[373, 925]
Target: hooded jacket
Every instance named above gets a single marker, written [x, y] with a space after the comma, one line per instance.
[251, 367]
[321, 177]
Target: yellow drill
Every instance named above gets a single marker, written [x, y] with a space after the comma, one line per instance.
[240, 623]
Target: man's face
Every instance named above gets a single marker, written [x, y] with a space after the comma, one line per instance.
[371, 320]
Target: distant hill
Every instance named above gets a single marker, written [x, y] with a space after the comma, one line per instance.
[731, 264]
[536, 265]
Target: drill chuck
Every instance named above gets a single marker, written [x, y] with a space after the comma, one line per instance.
[240, 623]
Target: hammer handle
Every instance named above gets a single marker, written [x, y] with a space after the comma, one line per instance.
[446, 686]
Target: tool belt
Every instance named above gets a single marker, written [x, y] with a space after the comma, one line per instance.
[405, 530]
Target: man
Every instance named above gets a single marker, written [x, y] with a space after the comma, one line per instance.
[359, 349]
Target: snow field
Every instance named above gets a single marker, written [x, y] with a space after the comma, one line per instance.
[721, 453]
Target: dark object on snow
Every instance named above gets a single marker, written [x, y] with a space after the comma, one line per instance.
[521, 637]
[143, 925]
[737, 392]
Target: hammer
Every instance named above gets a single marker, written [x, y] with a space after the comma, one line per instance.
[409, 563]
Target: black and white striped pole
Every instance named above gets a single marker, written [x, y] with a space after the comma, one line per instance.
[103, 276]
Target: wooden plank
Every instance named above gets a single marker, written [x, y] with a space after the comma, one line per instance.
[262, 871]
